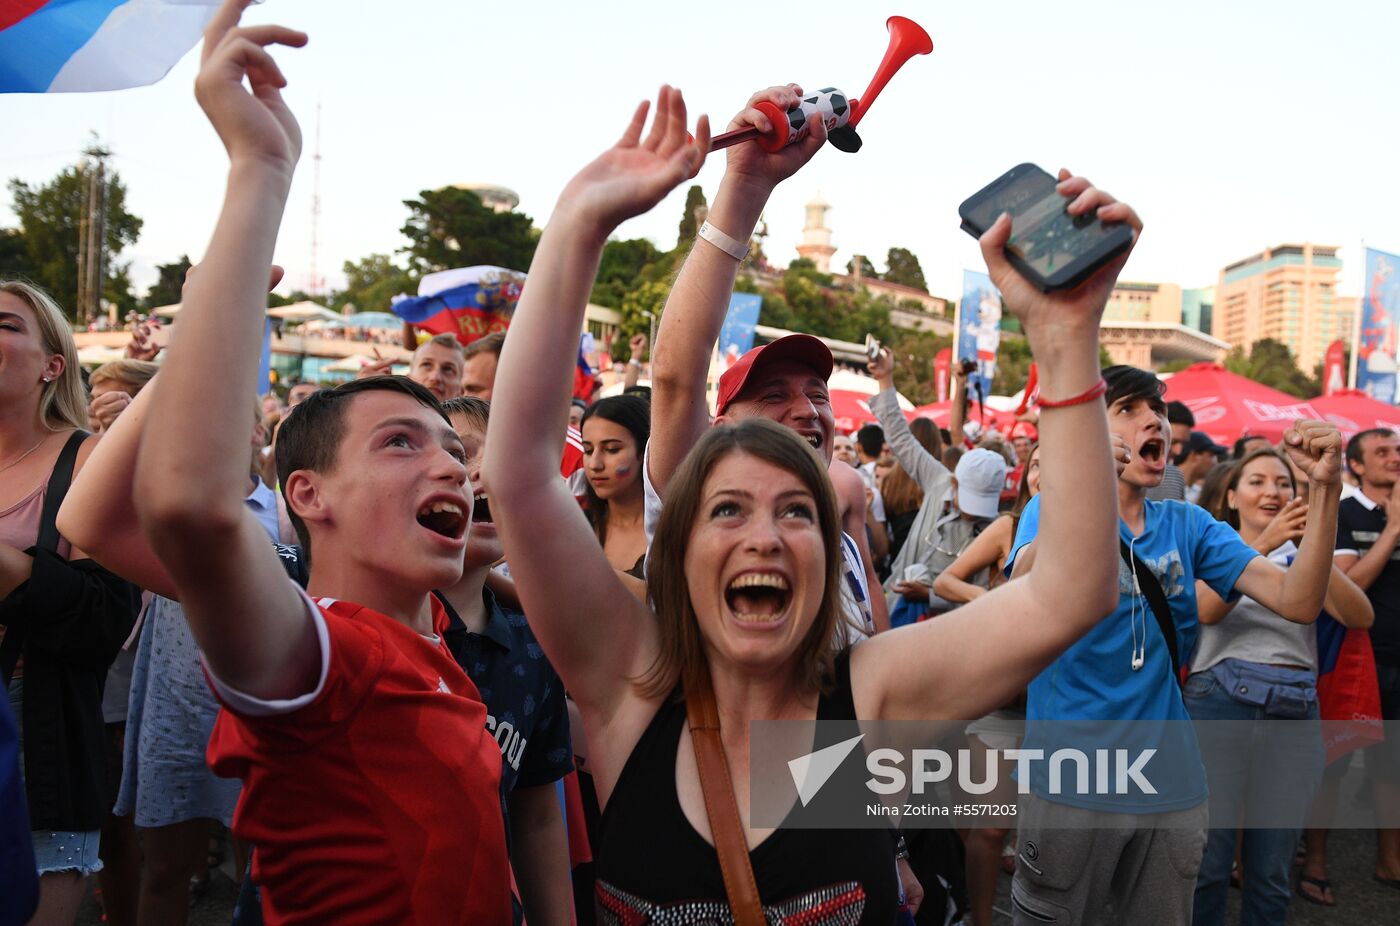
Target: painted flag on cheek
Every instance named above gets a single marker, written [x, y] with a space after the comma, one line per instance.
[67, 46]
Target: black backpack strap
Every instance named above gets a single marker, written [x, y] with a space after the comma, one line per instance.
[1157, 600]
[59, 481]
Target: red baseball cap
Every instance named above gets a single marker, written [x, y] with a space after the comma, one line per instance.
[802, 349]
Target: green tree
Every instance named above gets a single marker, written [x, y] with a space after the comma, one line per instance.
[1272, 364]
[14, 255]
[372, 282]
[169, 282]
[914, 353]
[621, 268]
[903, 267]
[694, 200]
[117, 290]
[49, 216]
[451, 227]
[640, 309]
[867, 269]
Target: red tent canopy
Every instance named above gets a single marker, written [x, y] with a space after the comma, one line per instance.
[1352, 410]
[852, 409]
[941, 412]
[1228, 406]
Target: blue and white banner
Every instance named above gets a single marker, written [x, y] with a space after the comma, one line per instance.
[61, 46]
[979, 329]
[1376, 341]
[736, 337]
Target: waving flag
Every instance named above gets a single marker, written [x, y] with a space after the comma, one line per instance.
[583, 374]
[1347, 690]
[469, 302]
[59, 46]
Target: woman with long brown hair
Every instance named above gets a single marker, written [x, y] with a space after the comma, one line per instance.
[903, 496]
[742, 581]
[1252, 664]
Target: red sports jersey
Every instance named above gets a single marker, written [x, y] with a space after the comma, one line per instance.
[378, 801]
[573, 453]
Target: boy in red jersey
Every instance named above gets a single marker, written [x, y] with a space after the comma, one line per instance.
[370, 781]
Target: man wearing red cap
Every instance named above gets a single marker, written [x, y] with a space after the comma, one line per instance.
[784, 381]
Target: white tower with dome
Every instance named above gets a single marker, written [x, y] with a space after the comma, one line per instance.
[816, 243]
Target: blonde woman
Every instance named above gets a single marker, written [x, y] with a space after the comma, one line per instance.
[62, 617]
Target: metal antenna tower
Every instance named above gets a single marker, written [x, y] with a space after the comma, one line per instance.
[315, 285]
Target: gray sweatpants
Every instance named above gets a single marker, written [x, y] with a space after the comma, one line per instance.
[1073, 862]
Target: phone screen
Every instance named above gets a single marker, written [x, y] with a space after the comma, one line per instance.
[1043, 234]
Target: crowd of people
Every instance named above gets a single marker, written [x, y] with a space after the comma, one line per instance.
[460, 647]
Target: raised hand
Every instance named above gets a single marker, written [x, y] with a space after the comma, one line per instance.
[254, 125]
[142, 346]
[380, 366]
[1082, 306]
[1392, 505]
[1287, 525]
[638, 345]
[882, 368]
[1122, 454]
[635, 174]
[1315, 447]
[751, 162]
[103, 410]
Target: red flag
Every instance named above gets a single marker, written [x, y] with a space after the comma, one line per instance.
[942, 367]
[1334, 377]
[1031, 394]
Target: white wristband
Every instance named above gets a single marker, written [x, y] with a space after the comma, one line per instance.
[731, 246]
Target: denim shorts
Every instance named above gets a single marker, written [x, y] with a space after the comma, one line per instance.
[66, 852]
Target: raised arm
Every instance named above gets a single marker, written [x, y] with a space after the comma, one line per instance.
[1364, 570]
[699, 299]
[192, 471]
[1297, 593]
[99, 512]
[979, 655]
[931, 475]
[987, 551]
[597, 635]
[957, 417]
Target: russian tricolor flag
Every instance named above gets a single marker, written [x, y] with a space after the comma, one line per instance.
[470, 302]
[59, 46]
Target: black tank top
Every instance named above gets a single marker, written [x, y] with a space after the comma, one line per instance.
[653, 867]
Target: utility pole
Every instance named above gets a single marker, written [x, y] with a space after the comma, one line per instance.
[92, 232]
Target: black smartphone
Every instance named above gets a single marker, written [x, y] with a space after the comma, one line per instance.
[1049, 247]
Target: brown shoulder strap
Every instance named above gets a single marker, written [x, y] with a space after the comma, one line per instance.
[725, 827]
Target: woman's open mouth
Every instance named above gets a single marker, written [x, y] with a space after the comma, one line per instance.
[758, 597]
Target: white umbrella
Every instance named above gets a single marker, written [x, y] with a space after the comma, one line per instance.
[304, 311]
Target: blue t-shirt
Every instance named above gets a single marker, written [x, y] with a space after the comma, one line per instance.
[524, 697]
[1094, 680]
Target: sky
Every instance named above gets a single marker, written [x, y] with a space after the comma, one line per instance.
[1230, 125]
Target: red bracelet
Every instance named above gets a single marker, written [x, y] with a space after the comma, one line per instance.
[1088, 395]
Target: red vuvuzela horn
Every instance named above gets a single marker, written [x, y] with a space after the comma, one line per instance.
[907, 39]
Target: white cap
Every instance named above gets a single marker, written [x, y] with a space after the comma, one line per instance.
[981, 476]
